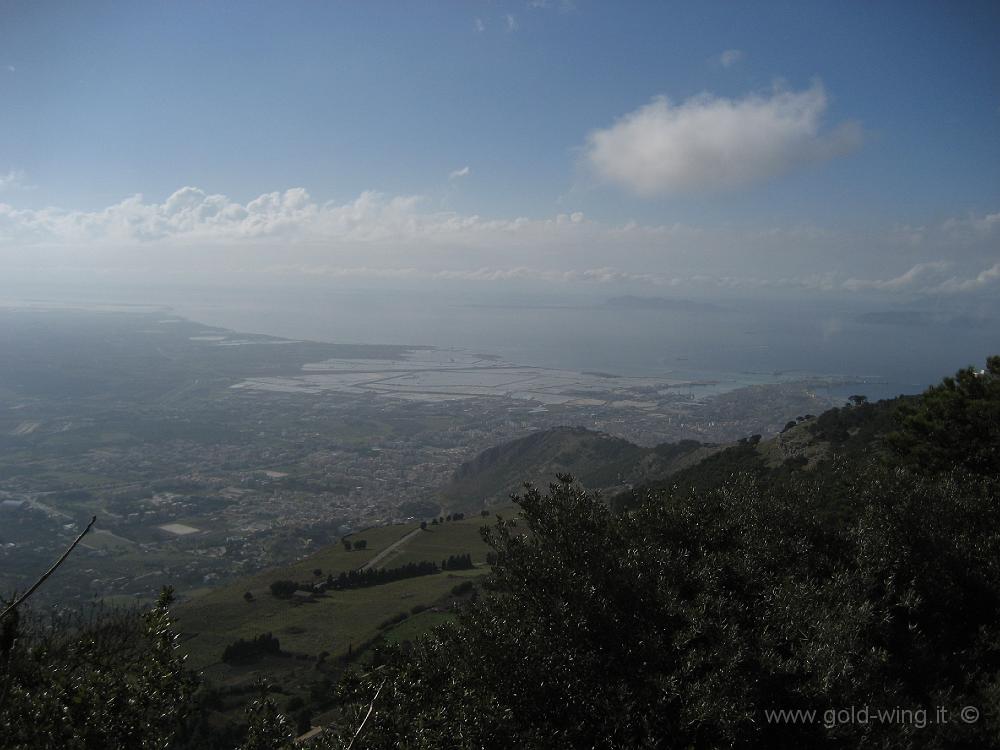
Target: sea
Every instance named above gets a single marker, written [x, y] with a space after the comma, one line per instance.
[858, 348]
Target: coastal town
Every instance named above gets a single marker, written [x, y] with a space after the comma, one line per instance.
[261, 465]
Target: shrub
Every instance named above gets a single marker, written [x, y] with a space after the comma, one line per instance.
[284, 589]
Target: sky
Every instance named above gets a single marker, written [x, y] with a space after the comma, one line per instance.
[692, 149]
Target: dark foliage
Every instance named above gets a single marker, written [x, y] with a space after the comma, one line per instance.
[457, 562]
[243, 652]
[284, 589]
[463, 588]
[394, 620]
[110, 680]
[954, 424]
[682, 624]
[355, 579]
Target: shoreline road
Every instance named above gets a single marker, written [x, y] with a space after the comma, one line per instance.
[390, 549]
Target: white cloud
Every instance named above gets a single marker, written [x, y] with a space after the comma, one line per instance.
[711, 142]
[479, 25]
[511, 22]
[929, 278]
[463, 172]
[971, 227]
[563, 6]
[730, 57]
[917, 276]
[11, 68]
[195, 234]
[985, 278]
[13, 180]
[190, 215]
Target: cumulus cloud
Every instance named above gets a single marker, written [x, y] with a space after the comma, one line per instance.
[730, 57]
[194, 233]
[511, 22]
[479, 25]
[190, 215]
[710, 143]
[463, 172]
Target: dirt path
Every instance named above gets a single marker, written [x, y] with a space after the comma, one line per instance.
[390, 549]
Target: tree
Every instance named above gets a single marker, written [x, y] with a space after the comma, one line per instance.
[361, 544]
[268, 728]
[283, 589]
[248, 597]
[954, 424]
[113, 681]
[318, 572]
[683, 622]
[423, 525]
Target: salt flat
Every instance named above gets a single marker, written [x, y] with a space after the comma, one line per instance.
[448, 374]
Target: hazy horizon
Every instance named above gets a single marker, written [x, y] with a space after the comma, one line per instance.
[841, 156]
[906, 347]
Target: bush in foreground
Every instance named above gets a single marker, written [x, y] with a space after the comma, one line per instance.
[115, 681]
[686, 623]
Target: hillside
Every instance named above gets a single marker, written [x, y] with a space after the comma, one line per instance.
[852, 560]
[596, 460]
[319, 634]
[811, 447]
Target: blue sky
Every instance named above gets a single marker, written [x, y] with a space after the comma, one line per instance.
[838, 142]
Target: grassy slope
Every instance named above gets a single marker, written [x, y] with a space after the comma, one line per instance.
[211, 621]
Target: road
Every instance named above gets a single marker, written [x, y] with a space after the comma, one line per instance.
[390, 549]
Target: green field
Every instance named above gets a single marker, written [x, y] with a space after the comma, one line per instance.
[335, 620]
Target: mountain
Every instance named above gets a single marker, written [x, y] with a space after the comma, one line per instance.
[596, 460]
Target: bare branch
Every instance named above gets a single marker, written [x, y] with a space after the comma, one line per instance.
[370, 708]
[17, 602]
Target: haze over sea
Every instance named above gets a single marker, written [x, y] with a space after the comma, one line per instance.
[751, 340]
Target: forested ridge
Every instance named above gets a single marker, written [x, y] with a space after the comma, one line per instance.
[749, 601]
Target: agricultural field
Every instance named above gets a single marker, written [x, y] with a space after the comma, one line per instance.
[332, 621]
[321, 636]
